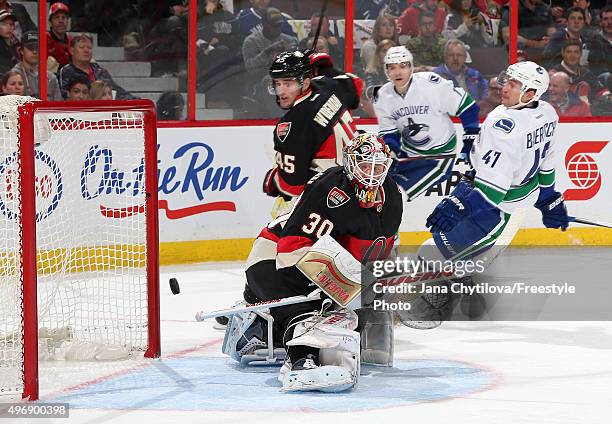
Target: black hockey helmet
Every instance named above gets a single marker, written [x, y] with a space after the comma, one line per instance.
[294, 64]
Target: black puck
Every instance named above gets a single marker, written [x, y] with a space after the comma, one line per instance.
[222, 320]
[174, 286]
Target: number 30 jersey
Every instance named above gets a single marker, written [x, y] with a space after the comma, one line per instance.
[310, 137]
[513, 156]
[329, 206]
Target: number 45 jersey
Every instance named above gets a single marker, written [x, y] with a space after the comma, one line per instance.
[513, 157]
[310, 137]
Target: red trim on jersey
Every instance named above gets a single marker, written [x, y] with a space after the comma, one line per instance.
[268, 235]
[290, 244]
[359, 247]
[286, 188]
[327, 149]
[302, 97]
[358, 82]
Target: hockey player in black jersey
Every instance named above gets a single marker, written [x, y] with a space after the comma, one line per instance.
[309, 138]
[360, 207]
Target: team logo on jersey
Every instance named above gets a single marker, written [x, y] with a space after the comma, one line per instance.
[282, 130]
[410, 132]
[336, 198]
[434, 78]
[582, 170]
[504, 124]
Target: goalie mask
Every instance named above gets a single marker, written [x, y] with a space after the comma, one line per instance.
[531, 76]
[366, 161]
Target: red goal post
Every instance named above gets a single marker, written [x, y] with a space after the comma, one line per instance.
[78, 203]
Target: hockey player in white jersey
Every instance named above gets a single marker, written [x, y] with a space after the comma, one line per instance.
[413, 111]
[514, 168]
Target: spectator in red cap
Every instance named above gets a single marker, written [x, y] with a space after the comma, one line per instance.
[23, 22]
[9, 54]
[58, 40]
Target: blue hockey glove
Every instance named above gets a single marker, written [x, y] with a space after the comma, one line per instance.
[554, 212]
[447, 214]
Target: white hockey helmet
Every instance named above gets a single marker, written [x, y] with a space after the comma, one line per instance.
[398, 54]
[531, 76]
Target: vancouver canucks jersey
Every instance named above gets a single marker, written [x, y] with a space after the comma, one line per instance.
[421, 116]
[514, 155]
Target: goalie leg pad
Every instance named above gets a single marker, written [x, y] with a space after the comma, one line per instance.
[339, 350]
[326, 378]
[376, 331]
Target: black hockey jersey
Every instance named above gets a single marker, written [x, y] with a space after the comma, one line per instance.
[311, 135]
[329, 206]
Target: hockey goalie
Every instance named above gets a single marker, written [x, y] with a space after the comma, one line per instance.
[347, 215]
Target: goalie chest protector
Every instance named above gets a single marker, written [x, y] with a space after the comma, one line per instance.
[329, 206]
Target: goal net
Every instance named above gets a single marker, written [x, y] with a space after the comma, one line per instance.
[78, 235]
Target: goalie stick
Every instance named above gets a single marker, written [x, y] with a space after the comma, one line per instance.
[259, 306]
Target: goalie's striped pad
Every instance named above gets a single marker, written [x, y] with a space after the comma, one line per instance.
[334, 270]
[327, 378]
[339, 351]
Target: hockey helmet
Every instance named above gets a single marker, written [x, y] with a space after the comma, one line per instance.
[366, 160]
[531, 76]
[294, 64]
[398, 54]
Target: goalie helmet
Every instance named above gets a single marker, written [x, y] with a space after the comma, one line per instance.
[366, 160]
[531, 76]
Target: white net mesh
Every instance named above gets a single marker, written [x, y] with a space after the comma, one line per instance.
[91, 232]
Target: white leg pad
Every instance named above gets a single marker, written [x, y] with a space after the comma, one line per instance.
[339, 354]
[326, 378]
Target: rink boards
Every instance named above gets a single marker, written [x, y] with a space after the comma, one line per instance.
[212, 204]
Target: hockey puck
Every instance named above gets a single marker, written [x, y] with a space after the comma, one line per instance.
[222, 320]
[174, 286]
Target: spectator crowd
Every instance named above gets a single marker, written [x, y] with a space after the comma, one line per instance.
[465, 41]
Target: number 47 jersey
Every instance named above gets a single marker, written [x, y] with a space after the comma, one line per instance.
[513, 157]
[310, 137]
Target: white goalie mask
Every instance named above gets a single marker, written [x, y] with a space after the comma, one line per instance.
[531, 76]
[398, 54]
[366, 161]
